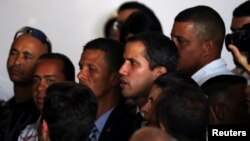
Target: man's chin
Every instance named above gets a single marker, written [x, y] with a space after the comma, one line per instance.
[127, 94]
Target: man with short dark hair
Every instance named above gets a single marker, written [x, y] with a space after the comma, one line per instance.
[50, 68]
[99, 64]
[147, 56]
[69, 112]
[198, 33]
[28, 45]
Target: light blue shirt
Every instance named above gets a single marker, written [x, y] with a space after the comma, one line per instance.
[215, 68]
[100, 122]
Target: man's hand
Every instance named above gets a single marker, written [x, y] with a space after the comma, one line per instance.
[240, 57]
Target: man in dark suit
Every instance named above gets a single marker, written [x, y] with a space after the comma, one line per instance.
[99, 65]
[147, 56]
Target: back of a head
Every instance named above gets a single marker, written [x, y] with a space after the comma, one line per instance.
[221, 82]
[149, 134]
[113, 51]
[242, 10]
[111, 29]
[183, 111]
[173, 80]
[207, 22]
[70, 111]
[228, 92]
[140, 22]
[160, 50]
[134, 5]
[221, 85]
[68, 66]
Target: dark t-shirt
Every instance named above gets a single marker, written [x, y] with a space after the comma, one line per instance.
[19, 116]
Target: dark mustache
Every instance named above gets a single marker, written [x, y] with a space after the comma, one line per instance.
[17, 69]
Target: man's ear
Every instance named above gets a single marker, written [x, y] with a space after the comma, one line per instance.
[159, 71]
[208, 47]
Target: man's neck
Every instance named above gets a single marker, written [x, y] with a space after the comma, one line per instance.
[107, 102]
[140, 101]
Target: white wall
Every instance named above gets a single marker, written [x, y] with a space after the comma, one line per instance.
[71, 23]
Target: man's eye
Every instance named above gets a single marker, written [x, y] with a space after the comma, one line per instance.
[50, 81]
[92, 68]
[133, 62]
[35, 81]
[182, 42]
[13, 52]
[28, 57]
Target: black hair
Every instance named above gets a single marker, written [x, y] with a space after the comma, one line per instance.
[206, 21]
[183, 110]
[173, 79]
[242, 10]
[159, 50]
[113, 51]
[70, 111]
[139, 22]
[134, 5]
[68, 68]
[221, 84]
[108, 26]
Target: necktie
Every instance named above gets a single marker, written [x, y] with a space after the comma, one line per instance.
[93, 134]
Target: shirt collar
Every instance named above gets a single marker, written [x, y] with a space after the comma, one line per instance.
[210, 70]
[100, 122]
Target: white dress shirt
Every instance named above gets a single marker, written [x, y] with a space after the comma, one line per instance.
[214, 68]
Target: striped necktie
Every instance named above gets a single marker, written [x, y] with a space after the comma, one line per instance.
[94, 134]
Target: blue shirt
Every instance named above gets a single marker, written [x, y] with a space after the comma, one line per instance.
[100, 122]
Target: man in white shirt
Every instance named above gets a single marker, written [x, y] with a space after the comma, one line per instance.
[198, 33]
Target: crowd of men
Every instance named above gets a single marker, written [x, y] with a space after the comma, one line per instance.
[134, 84]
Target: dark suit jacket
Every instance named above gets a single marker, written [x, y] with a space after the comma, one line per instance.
[119, 126]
